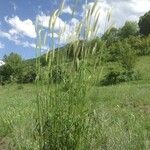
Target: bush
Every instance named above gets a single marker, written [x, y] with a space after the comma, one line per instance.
[145, 47]
[110, 78]
[117, 74]
[112, 75]
[128, 76]
[29, 76]
[127, 56]
[28, 73]
[140, 44]
[57, 75]
[111, 36]
[123, 53]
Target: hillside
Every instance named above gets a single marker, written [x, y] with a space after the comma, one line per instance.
[121, 108]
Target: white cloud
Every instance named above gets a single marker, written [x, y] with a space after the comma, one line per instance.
[55, 35]
[9, 37]
[140, 6]
[13, 32]
[19, 29]
[27, 44]
[67, 10]
[1, 45]
[12, 36]
[25, 27]
[74, 22]
[121, 11]
[43, 20]
[64, 32]
[96, 16]
[70, 34]
[128, 10]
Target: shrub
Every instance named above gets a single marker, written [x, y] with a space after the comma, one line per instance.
[28, 74]
[128, 76]
[116, 75]
[111, 36]
[112, 75]
[122, 52]
[127, 56]
[140, 44]
[145, 46]
[57, 75]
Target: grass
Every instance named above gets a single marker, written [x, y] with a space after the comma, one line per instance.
[17, 104]
[65, 109]
[120, 114]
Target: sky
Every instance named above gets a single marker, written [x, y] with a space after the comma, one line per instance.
[21, 21]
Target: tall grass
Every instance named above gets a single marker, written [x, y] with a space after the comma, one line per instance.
[64, 112]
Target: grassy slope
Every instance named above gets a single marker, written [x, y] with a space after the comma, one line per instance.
[126, 104]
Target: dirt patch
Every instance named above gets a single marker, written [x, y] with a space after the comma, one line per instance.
[4, 143]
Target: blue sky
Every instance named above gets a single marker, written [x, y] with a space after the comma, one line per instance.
[17, 20]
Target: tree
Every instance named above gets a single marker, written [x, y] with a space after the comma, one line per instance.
[13, 68]
[129, 29]
[111, 36]
[144, 24]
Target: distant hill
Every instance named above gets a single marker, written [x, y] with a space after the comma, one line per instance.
[61, 50]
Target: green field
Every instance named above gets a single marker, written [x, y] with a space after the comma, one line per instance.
[123, 111]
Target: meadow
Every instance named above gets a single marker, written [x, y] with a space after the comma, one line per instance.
[122, 112]
[90, 94]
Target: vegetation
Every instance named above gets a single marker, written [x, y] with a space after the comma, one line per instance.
[121, 115]
[144, 24]
[66, 107]
[129, 29]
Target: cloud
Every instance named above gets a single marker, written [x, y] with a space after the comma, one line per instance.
[121, 11]
[25, 27]
[62, 31]
[54, 35]
[96, 16]
[12, 36]
[9, 37]
[19, 31]
[67, 10]
[27, 44]
[74, 22]
[2, 46]
[43, 20]
[139, 7]
[69, 34]
[128, 10]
